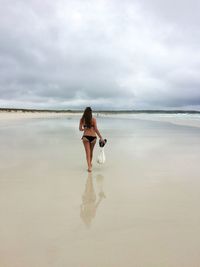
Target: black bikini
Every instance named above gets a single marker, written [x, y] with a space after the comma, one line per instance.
[90, 138]
[85, 126]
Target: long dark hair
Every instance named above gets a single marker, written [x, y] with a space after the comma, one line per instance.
[87, 117]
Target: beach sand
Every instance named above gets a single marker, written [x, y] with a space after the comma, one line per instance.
[139, 209]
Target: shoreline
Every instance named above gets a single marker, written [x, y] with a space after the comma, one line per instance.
[178, 119]
[7, 115]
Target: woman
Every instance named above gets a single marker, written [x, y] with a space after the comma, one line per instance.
[88, 124]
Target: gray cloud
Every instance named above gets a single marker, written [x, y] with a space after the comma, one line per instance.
[107, 54]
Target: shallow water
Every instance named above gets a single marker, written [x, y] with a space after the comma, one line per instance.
[139, 209]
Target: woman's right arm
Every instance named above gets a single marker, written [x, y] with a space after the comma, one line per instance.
[96, 129]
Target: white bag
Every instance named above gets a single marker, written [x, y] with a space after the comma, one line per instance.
[101, 157]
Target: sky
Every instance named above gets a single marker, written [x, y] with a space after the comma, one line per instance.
[107, 54]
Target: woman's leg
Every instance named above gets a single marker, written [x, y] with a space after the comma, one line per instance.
[92, 144]
[88, 153]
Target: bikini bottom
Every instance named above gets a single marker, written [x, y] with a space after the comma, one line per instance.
[89, 138]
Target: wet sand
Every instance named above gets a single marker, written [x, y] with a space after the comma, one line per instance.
[141, 208]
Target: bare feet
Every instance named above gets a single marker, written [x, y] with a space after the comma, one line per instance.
[90, 168]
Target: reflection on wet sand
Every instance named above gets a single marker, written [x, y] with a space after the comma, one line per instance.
[90, 201]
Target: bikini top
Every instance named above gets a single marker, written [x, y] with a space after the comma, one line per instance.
[85, 126]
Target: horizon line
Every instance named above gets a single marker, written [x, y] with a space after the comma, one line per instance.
[101, 111]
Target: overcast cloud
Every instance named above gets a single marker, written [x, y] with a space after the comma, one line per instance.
[106, 54]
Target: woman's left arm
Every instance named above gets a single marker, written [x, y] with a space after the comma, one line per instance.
[81, 126]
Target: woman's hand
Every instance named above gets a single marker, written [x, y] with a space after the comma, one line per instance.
[102, 140]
